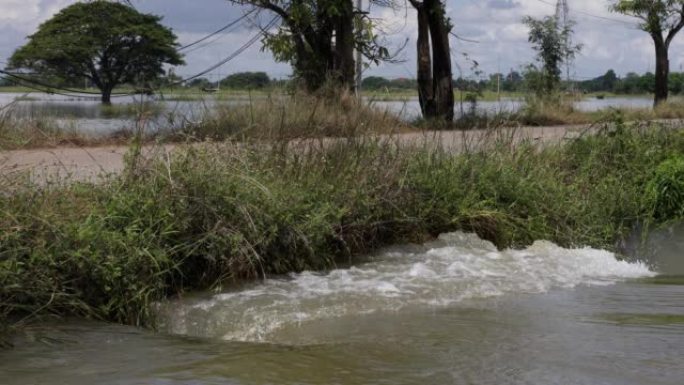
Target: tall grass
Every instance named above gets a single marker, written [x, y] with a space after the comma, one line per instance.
[297, 115]
[18, 132]
[217, 212]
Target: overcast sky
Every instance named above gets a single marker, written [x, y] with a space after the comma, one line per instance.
[609, 40]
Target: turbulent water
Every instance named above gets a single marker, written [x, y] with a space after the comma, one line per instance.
[455, 268]
[453, 311]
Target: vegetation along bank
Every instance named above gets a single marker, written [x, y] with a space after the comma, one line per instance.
[212, 214]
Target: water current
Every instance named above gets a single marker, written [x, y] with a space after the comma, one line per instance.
[452, 311]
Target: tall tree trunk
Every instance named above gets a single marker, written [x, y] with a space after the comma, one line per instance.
[662, 71]
[344, 45]
[107, 94]
[425, 93]
[441, 59]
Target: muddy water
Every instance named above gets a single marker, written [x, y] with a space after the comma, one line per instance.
[454, 311]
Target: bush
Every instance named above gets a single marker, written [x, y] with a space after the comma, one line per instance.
[665, 191]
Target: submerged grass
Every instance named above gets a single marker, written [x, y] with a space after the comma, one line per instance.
[217, 212]
[543, 112]
[22, 133]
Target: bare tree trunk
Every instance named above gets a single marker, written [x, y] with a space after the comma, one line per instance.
[344, 45]
[441, 60]
[662, 71]
[425, 93]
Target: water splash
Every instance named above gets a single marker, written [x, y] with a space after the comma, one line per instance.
[454, 268]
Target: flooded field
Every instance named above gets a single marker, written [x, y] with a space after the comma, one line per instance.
[87, 115]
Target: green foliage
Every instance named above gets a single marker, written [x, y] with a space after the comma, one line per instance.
[246, 80]
[665, 191]
[551, 41]
[657, 16]
[107, 42]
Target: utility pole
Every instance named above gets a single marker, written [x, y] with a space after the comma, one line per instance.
[359, 56]
[563, 21]
[498, 78]
[498, 87]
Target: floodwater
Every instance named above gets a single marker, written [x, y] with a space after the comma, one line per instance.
[88, 116]
[452, 311]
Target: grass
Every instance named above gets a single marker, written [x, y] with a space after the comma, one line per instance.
[264, 117]
[19, 132]
[227, 211]
[290, 117]
[274, 114]
[23, 133]
[537, 112]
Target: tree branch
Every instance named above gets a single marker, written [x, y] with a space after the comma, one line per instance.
[671, 34]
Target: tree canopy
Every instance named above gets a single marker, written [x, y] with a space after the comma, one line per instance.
[318, 37]
[550, 39]
[246, 80]
[108, 43]
[662, 19]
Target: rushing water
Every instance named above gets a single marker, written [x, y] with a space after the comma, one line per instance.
[87, 115]
[453, 311]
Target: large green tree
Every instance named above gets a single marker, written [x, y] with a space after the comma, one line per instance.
[662, 19]
[106, 42]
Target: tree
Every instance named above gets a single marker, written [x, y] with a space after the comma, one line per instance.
[108, 43]
[609, 80]
[318, 38]
[375, 83]
[246, 80]
[435, 84]
[550, 40]
[662, 19]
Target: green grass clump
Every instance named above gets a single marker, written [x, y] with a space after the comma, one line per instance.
[217, 212]
[666, 189]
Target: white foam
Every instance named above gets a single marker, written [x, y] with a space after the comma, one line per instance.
[456, 267]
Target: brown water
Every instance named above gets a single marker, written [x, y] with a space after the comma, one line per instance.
[454, 311]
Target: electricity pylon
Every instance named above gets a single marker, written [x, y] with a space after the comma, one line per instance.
[564, 24]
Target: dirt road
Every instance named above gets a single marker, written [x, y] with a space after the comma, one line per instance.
[89, 163]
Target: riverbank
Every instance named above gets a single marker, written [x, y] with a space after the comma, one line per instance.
[198, 216]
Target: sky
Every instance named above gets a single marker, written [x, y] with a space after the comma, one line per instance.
[491, 30]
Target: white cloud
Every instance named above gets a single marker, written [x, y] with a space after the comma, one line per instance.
[495, 24]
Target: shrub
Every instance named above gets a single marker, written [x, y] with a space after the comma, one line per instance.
[665, 191]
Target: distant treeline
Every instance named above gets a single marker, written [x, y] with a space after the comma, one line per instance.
[632, 83]
[514, 81]
[239, 81]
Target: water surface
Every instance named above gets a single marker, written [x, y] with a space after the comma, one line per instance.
[85, 114]
[453, 311]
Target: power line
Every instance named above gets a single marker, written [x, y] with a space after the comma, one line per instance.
[232, 23]
[591, 14]
[51, 87]
[233, 55]
[48, 91]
